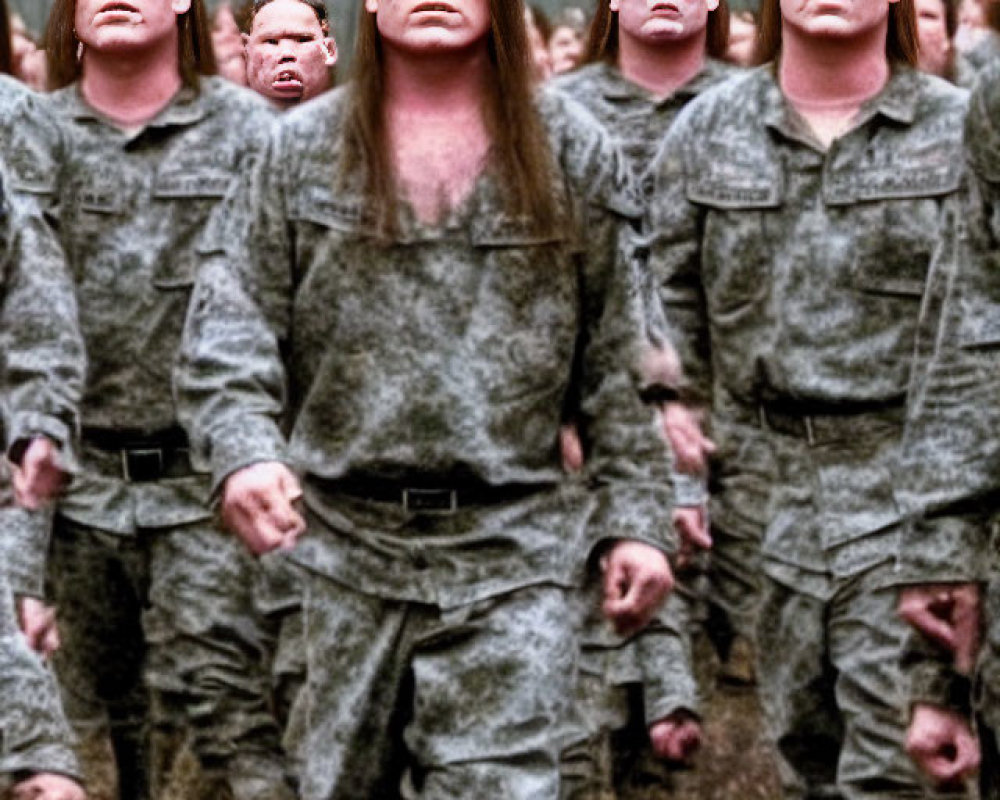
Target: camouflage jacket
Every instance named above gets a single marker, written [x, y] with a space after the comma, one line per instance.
[638, 122]
[794, 276]
[34, 734]
[448, 353]
[951, 458]
[632, 115]
[133, 206]
[33, 149]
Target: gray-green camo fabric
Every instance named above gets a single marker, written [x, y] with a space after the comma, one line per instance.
[34, 736]
[807, 340]
[447, 352]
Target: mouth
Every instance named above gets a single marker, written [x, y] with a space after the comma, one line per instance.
[288, 81]
[665, 9]
[119, 11]
[434, 8]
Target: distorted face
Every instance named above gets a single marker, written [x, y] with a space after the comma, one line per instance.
[654, 21]
[565, 49]
[932, 30]
[127, 25]
[835, 19]
[428, 26]
[289, 54]
[742, 39]
[539, 52]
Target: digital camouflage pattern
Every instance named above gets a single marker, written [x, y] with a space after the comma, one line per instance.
[166, 599]
[34, 736]
[446, 355]
[636, 118]
[808, 337]
[658, 659]
[951, 458]
[470, 384]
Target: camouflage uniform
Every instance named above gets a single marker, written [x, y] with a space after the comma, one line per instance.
[34, 735]
[986, 53]
[152, 596]
[657, 662]
[795, 276]
[951, 458]
[442, 358]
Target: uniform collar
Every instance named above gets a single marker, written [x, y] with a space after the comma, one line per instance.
[898, 101]
[187, 107]
[615, 86]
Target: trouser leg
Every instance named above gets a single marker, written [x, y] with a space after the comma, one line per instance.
[796, 681]
[99, 585]
[210, 647]
[493, 692]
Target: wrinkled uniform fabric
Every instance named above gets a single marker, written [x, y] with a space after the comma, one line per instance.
[659, 658]
[951, 458]
[42, 378]
[808, 335]
[165, 603]
[443, 356]
[34, 734]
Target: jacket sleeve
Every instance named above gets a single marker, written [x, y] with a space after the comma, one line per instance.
[44, 364]
[230, 379]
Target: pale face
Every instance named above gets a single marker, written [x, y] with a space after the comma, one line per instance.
[428, 26]
[835, 19]
[654, 21]
[127, 25]
[932, 29]
[565, 49]
[288, 55]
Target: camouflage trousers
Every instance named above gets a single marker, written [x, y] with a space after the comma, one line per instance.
[409, 700]
[832, 690]
[159, 635]
[625, 686]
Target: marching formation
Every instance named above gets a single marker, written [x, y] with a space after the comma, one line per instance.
[402, 439]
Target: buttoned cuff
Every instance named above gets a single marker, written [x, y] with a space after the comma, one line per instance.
[24, 537]
[53, 758]
[631, 513]
[23, 427]
[690, 491]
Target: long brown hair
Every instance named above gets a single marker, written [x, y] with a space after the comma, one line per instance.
[901, 44]
[6, 49]
[602, 40]
[194, 44]
[993, 14]
[522, 157]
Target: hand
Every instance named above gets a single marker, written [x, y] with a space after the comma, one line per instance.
[691, 524]
[38, 624]
[941, 743]
[637, 579]
[258, 505]
[571, 448]
[48, 786]
[677, 737]
[690, 446]
[948, 614]
[39, 477]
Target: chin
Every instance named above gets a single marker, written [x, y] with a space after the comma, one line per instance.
[119, 42]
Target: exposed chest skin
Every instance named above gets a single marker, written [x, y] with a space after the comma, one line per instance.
[438, 157]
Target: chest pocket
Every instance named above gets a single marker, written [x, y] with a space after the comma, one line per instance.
[192, 194]
[739, 198]
[899, 207]
[317, 204]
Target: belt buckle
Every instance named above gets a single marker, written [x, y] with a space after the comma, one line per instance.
[430, 501]
[142, 466]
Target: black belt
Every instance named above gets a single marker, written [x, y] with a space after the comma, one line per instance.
[144, 456]
[823, 428]
[428, 499]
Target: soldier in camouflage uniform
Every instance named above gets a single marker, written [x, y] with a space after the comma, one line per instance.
[794, 219]
[637, 103]
[951, 466]
[425, 346]
[43, 371]
[155, 602]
